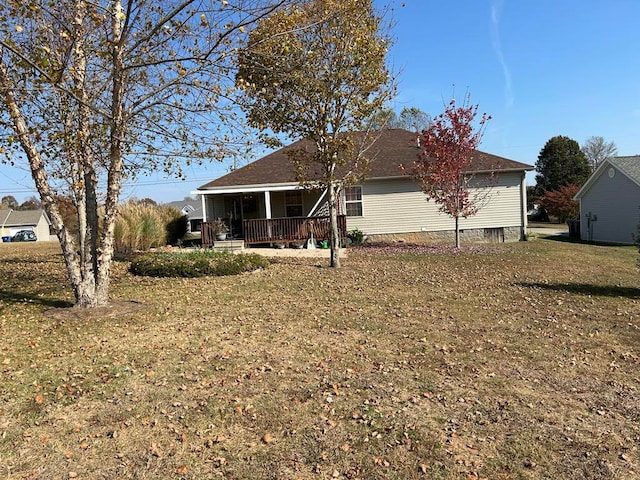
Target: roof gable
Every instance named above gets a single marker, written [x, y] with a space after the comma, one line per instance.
[191, 208]
[628, 166]
[390, 149]
[17, 218]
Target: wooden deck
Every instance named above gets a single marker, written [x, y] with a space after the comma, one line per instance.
[282, 230]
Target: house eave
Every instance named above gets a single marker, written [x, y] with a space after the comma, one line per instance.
[257, 188]
[279, 187]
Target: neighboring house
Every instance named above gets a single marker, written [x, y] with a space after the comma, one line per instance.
[12, 221]
[193, 211]
[386, 206]
[610, 201]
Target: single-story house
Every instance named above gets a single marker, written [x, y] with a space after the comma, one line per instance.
[387, 205]
[192, 209]
[12, 221]
[610, 201]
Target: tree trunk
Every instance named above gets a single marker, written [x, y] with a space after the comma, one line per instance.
[85, 184]
[457, 232]
[88, 276]
[117, 132]
[334, 234]
[40, 178]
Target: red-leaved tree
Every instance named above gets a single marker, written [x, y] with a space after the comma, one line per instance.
[443, 168]
[560, 202]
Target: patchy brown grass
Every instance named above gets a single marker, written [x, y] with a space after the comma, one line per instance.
[515, 362]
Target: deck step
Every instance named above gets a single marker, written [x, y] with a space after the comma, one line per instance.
[228, 245]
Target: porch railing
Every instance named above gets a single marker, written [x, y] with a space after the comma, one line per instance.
[283, 230]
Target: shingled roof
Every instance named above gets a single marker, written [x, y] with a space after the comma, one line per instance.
[390, 149]
[630, 166]
[19, 218]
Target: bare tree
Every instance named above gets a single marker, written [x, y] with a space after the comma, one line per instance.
[597, 149]
[414, 119]
[409, 118]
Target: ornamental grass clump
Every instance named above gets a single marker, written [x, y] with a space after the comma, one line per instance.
[141, 226]
[196, 264]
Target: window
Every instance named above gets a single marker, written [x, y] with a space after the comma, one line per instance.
[293, 203]
[353, 201]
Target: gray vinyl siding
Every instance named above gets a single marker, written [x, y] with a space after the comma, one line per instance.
[399, 206]
[616, 203]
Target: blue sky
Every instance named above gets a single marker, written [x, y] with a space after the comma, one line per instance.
[540, 69]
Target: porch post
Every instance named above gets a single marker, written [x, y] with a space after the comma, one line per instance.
[267, 204]
[204, 209]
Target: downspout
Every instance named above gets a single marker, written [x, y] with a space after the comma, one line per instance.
[523, 207]
[590, 219]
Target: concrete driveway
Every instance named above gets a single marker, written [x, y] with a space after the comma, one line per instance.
[548, 229]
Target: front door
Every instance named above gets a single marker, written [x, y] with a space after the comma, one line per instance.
[233, 207]
[250, 207]
[239, 208]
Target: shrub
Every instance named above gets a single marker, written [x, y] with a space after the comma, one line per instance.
[196, 264]
[176, 228]
[356, 236]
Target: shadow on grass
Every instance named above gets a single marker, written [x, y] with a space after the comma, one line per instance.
[568, 239]
[586, 289]
[13, 297]
[31, 261]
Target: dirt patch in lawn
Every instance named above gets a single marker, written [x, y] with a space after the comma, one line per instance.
[117, 309]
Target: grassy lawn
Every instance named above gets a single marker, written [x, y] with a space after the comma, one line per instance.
[515, 362]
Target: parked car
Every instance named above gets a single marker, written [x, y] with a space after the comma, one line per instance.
[24, 236]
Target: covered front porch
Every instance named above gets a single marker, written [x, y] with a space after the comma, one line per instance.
[296, 231]
[283, 214]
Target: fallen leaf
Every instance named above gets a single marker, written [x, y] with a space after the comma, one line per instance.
[181, 469]
[39, 398]
[155, 450]
[267, 438]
